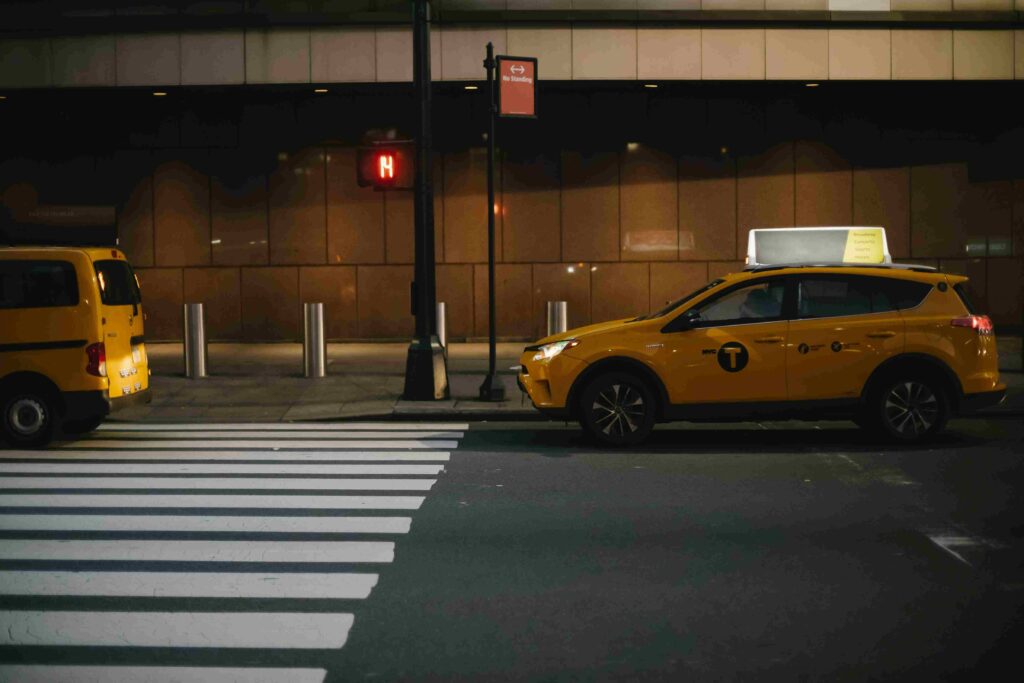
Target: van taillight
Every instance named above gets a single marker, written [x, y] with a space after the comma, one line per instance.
[981, 324]
[97, 355]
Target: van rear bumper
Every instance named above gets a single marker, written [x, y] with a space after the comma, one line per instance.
[80, 405]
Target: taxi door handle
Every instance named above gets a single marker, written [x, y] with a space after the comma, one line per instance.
[881, 335]
[768, 340]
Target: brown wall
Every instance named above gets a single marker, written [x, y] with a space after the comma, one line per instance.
[613, 233]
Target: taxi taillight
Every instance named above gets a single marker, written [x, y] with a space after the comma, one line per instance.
[97, 363]
[981, 324]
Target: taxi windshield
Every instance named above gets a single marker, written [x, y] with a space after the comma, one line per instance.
[679, 302]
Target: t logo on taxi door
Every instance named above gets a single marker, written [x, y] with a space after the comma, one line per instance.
[733, 356]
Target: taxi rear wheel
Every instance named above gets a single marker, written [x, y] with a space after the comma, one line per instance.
[28, 418]
[617, 409]
[908, 408]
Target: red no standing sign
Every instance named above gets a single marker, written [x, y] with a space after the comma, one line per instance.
[517, 87]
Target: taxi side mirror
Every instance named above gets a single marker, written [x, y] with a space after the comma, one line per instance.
[683, 322]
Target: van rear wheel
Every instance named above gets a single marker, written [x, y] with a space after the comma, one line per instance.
[28, 418]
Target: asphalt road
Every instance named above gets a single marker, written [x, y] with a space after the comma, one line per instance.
[747, 552]
[782, 552]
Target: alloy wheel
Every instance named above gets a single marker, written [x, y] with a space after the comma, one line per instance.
[911, 408]
[618, 410]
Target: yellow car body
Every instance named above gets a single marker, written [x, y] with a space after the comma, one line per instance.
[72, 339]
[822, 341]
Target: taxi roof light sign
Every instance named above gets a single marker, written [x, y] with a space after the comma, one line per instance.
[813, 246]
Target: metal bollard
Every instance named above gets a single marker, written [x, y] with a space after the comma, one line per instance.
[195, 341]
[442, 325]
[314, 353]
[558, 317]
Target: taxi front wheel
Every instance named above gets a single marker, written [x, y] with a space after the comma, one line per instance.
[908, 408]
[617, 409]
[28, 418]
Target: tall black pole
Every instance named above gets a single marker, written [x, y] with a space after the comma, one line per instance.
[491, 389]
[426, 371]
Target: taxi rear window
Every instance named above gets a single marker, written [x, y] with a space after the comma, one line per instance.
[118, 286]
[37, 284]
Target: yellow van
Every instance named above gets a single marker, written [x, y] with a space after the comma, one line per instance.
[72, 346]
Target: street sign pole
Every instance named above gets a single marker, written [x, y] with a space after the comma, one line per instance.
[426, 370]
[491, 389]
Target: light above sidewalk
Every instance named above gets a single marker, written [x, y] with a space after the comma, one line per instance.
[471, 87]
[159, 93]
[320, 90]
[650, 85]
[812, 85]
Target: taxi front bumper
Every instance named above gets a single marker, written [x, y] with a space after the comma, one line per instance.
[547, 382]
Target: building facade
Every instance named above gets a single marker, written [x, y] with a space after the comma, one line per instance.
[667, 130]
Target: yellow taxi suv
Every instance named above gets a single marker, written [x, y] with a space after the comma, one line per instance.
[72, 345]
[897, 349]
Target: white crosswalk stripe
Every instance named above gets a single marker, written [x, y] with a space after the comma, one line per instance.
[258, 434]
[40, 673]
[307, 427]
[283, 485]
[335, 586]
[206, 468]
[326, 524]
[333, 484]
[257, 444]
[187, 454]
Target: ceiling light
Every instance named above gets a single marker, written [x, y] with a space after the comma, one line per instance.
[811, 85]
[650, 85]
[159, 93]
[471, 87]
[3, 97]
[320, 90]
[632, 146]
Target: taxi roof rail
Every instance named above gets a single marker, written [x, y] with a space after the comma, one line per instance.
[887, 266]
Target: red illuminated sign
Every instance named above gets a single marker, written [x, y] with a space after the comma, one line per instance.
[386, 167]
[517, 87]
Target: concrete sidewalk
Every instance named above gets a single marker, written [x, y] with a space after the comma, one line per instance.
[364, 380]
[263, 382]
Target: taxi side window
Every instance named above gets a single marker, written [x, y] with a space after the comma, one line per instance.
[37, 284]
[826, 297]
[758, 302]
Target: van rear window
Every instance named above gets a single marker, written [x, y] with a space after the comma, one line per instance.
[118, 286]
[37, 284]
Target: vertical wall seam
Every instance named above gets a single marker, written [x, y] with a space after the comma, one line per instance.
[209, 209]
[152, 213]
[323, 161]
[245, 55]
[910, 211]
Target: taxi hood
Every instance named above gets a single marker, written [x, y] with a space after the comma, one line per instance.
[585, 331]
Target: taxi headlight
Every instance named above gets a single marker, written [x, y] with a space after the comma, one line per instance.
[549, 351]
